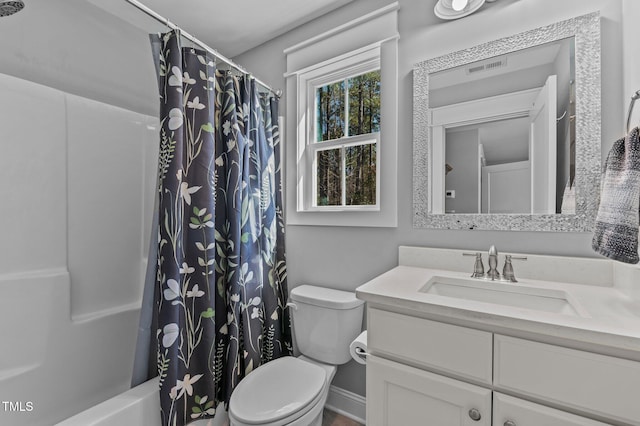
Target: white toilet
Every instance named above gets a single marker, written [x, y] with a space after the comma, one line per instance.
[292, 391]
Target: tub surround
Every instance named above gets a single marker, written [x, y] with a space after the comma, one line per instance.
[76, 224]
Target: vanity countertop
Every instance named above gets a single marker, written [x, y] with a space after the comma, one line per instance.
[609, 319]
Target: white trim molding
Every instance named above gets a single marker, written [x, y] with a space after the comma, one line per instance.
[363, 44]
[347, 403]
[375, 27]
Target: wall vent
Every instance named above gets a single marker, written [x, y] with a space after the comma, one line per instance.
[488, 65]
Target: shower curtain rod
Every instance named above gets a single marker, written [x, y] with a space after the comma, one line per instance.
[194, 40]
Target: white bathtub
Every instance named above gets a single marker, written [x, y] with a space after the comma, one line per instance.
[139, 406]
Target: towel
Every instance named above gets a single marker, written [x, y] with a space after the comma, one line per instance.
[616, 230]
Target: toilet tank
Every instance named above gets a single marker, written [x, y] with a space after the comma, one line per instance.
[325, 322]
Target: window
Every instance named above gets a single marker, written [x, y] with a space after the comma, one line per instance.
[347, 134]
[342, 106]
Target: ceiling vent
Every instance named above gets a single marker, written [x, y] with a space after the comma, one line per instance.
[488, 65]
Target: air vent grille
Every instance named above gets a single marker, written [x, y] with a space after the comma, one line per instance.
[488, 65]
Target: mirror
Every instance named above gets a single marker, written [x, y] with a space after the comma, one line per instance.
[506, 135]
[508, 131]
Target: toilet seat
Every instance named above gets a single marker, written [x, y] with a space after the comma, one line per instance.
[300, 386]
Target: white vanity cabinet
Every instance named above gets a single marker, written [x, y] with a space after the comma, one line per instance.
[425, 372]
[401, 395]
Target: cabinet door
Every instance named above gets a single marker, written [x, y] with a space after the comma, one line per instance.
[401, 395]
[510, 411]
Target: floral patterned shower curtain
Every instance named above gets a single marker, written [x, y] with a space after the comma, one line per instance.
[221, 275]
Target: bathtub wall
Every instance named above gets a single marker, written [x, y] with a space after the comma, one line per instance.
[77, 190]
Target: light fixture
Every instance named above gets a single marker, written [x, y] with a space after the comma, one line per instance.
[459, 5]
[454, 9]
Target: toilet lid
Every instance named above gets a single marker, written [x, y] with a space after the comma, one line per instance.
[277, 390]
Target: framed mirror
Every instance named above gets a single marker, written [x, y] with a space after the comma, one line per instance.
[507, 133]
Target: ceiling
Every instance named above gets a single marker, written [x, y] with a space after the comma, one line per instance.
[232, 27]
[530, 58]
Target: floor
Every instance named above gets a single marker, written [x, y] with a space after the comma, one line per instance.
[330, 418]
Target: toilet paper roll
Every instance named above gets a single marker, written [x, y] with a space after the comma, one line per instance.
[358, 348]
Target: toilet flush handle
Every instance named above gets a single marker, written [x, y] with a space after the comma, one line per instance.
[292, 306]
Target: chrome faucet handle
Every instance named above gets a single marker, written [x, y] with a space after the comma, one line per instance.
[507, 271]
[478, 267]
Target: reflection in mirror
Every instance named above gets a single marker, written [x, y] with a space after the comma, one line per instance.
[520, 164]
[507, 133]
[488, 159]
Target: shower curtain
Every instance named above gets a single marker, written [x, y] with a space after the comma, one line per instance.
[220, 290]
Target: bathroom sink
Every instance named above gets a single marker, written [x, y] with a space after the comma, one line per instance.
[506, 294]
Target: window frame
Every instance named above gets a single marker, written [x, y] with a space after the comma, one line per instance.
[336, 72]
[374, 34]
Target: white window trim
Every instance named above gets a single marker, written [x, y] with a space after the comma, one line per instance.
[353, 65]
[373, 42]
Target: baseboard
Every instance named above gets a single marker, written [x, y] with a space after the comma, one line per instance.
[347, 403]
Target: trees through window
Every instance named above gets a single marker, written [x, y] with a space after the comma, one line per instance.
[347, 129]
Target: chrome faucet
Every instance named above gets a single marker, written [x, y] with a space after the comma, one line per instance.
[493, 273]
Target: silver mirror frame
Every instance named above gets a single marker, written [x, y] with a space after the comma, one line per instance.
[586, 30]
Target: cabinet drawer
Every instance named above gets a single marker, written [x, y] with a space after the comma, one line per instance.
[399, 395]
[459, 351]
[525, 413]
[596, 384]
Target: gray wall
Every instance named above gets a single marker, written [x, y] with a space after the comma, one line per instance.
[347, 257]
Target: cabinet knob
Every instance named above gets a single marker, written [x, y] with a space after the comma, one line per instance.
[509, 423]
[475, 415]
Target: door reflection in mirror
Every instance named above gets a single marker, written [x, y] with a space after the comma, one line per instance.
[508, 130]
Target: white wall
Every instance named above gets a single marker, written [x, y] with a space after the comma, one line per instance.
[77, 193]
[347, 257]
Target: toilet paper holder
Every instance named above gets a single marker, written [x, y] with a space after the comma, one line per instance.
[361, 352]
[358, 348]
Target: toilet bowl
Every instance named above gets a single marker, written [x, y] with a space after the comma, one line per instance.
[292, 391]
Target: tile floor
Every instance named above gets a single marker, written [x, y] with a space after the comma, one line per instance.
[331, 418]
